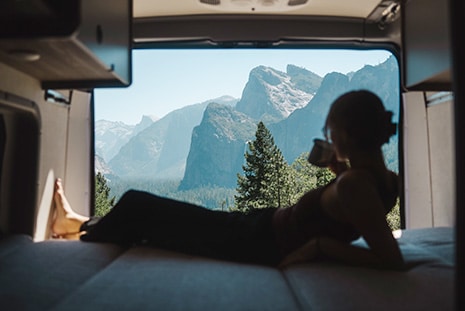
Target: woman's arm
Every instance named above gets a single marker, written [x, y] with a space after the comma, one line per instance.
[354, 255]
[332, 249]
[364, 209]
[305, 253]
[360, 202]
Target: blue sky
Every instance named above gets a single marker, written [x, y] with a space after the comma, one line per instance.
[165, 80]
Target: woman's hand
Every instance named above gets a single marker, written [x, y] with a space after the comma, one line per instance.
[337, 167]
[306, 252]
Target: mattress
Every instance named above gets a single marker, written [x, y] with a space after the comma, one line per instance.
[75, 275]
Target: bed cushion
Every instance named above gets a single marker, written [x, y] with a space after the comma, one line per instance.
[148, 279]
[36, 276]
[426, 285]
[10, 243]
[72, 275]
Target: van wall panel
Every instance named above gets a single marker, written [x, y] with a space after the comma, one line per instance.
[441, 140]
[64, 144]
[79, 158]
[418, 205]
[49, 155]
[53, 142]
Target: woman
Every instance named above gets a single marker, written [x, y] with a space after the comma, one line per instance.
[322, 224]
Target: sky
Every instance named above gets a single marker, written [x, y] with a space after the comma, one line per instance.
[166, 80]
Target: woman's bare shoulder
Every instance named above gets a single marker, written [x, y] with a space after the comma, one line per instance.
[358, 177]
[355, 178]
[357, 188]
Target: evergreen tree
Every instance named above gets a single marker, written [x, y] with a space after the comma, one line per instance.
[103, 202]
[267, 181]
[282, 181]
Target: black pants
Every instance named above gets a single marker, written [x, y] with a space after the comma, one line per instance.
[141, 217]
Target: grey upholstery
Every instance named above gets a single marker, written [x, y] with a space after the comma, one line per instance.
[426, 285]
[73, 275]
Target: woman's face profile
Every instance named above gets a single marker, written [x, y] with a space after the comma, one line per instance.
[338, 138]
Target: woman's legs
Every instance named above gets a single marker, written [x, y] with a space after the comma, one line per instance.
[141, 217]
[137, 216]
[144, 217]
[67, 222]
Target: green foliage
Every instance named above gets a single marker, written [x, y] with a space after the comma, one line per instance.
[308, 176]
[267, 179]
[393, 217]
[103, 202]
[282, 182]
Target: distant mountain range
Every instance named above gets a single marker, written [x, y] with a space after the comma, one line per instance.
[204, 144]
[153, 148]
[111, 136]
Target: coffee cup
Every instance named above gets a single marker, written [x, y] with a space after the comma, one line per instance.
[322, 153]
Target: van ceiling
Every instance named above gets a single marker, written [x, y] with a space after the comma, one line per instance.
[265, 22]
[342, 8]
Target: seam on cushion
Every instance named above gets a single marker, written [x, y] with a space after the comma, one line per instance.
[291, 289]
[93, 276]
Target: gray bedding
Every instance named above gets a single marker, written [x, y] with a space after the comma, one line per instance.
[74, 275]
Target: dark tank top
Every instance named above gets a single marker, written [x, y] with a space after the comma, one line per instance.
[297, 224]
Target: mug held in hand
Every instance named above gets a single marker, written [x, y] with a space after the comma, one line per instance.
[321, 153]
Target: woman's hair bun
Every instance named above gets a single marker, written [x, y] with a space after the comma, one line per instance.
[362, 115]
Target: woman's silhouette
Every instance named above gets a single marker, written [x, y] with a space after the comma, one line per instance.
[322, 224]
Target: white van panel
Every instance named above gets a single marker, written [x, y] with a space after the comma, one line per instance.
[429, 160]
[441, 140]
[79, 158]
[418, 205]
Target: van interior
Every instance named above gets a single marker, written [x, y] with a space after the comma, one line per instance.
[55, 56]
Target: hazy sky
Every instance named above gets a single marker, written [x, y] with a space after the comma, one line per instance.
[165, 80]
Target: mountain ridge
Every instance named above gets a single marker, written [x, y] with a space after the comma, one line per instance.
[205, 145]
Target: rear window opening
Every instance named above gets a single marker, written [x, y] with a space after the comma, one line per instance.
[182, 129]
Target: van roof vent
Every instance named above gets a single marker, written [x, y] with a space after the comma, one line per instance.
[253, 5]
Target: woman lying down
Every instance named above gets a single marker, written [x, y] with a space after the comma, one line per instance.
[321, 225]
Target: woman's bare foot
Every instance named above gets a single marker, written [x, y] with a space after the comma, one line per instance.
[67, 223]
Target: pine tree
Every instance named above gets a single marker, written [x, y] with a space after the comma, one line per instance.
[267, 181]
[282, 181]
[103, 202]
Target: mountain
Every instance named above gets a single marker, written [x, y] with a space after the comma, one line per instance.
[204, 144]
[160, 150]
[110, 136]
[296, 133]
[101, 166]
[303, 79]
[217, 148]
[144, 123]
[216, 155]
[271, 95]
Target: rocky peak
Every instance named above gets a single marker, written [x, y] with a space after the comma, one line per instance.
[270, 95]
[217, 148]
[304, 79]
